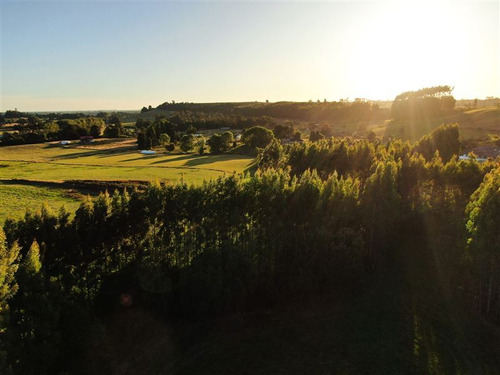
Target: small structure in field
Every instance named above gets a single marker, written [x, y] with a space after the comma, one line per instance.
[86, 140]
[65, 143]
[148, 152]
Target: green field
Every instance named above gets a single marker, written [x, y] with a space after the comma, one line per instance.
[15, 199]
[104, 161]
[116, 161]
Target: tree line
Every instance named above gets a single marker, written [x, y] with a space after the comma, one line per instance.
[34, 129]
[335, 112]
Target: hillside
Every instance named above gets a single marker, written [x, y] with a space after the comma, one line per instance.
[475, 125]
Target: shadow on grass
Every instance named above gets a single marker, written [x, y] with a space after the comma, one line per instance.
[76, 155]
[142, 157]
[178, 158]
[117, 151]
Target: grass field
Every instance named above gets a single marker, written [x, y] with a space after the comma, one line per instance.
[105, 160]
[15, 199]
[116, 161]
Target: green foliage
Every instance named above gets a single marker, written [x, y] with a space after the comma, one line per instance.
[8, 268]
[164, 139]
[31, 262]
[220, 143]
[484, 231]
[271, 156]
[257, 137]
[113, 131]
[215, 115]
[316, 136]
[187, 143]
[170, 147]
[425, 103]
[335, 219]
[283, 131]
[200, 144]
[445, 139]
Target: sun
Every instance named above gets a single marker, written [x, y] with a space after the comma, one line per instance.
[407, 46]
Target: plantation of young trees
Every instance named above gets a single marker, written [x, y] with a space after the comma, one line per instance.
[330, 219]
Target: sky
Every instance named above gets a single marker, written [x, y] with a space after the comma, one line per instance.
[82, 55]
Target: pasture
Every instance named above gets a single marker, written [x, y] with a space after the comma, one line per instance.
[113, 161]
[106, 160]
[15, 199]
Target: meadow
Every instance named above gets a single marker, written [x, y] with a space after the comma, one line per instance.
[16, 199]
[103, 161]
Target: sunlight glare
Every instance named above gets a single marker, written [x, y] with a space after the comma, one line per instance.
[405, 47]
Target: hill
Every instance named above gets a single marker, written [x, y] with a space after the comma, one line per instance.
[475, 124]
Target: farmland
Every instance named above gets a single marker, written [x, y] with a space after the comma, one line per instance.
[15, 199]
[103, 161]
[49, 162]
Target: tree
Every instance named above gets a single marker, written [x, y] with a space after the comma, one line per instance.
[445, 139]
[8, 289]
[200, 144]
[33, 337]
[141, 141]
[95, 131]
[484, 231]
[220, 143]
[316, 136]
[8, 268]
[148, 143]
[271, 156]
[383, 203]
[257, 136]
[164, 139]
[113, 131]
[114, 119]
[283, 131]
[187, 142]
[215, 143]
[425, 103]
[297, 136]
[227, 140]
[170, 147]
[114, 128]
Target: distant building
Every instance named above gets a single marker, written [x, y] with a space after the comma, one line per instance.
[64, 143]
